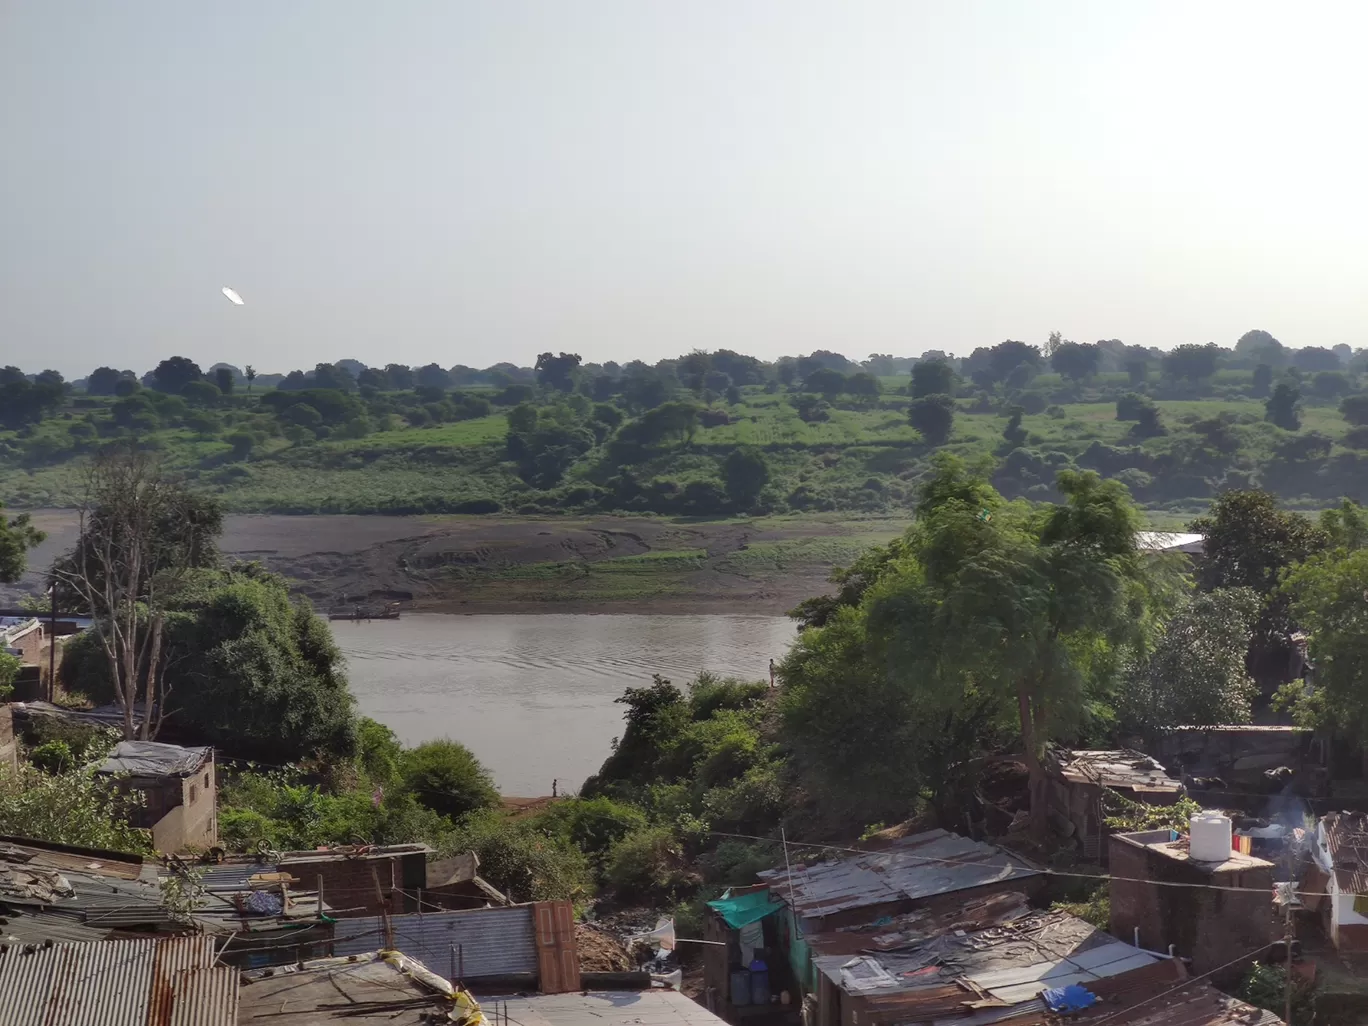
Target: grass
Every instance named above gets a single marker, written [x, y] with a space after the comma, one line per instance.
[862, 459]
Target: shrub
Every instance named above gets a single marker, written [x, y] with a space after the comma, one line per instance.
[649, 866]
[519, 858]
[593, 825]
[447, 778]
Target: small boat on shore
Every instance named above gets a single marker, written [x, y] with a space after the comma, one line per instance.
[389, 612]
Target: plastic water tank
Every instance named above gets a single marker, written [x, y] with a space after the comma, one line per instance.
[740, 987]
[1210, 837]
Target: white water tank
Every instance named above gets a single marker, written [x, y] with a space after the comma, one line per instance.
[1210, 837]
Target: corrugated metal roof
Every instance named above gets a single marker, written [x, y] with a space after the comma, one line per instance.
[334, 991]
[919, 866]
[25, 983]
[1121, 768]
[1346, 836]
[608, 1008]
[205, 997]
[107, 982]
[174, 956]
[489, 941]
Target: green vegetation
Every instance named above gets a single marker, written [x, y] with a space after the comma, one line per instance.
[711, 434]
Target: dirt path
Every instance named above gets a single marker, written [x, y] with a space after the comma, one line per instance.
[496, 564]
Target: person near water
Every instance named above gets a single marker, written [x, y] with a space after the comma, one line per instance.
[771, 673]
[554, 783]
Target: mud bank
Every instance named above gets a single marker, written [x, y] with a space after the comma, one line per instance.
[518, 564]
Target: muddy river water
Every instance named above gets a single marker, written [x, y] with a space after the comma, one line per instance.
[532, 694]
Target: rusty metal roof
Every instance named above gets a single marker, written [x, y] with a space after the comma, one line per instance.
[1120, 768]
[1003, 969]
[1346, 837]
[113, 983]
[360, 990]
[923, 966]
[920, 866]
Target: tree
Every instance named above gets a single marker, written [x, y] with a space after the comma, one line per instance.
[557, 372]
[1354, 409]
[863, 385]
[1076, 360]
[932, 377]
[1013, 610]
[140, 534]
[1148, 423]
[200, 393]
[1331, 384]
[172, 375]
[933, 416]
[1261, 347]
[447, 778]
[223, 378]
[1137, 370]
[1282, 407]
[1345, 527]
[1313, 359]
[745, 472]
[102, 381]
[398, 377]
[334, 377]
[1249, 542]
[1327, 600]
[1196, 673]
[1263, 381]
[242, 667]
[825, 382]
[249, 372]
[1193, 362]
[17, 536]
[1131, 405]
[1014, 434]
[431, 376]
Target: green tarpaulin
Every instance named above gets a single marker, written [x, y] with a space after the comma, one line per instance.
[745, 909]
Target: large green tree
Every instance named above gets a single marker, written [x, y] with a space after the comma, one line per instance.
[1249, 542]
[1327, 595]
[1013, 611]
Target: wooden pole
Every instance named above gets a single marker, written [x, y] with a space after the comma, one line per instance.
[1287, 963]
[384, 910]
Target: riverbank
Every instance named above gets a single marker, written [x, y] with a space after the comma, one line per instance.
[494, 564]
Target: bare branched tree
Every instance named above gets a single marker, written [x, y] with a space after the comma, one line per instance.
[141, 533]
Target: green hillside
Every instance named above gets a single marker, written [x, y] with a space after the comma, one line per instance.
[665, 440]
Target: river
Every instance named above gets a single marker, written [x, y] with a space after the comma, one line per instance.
[532, 694]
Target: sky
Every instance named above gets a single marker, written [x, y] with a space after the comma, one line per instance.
[631, 179]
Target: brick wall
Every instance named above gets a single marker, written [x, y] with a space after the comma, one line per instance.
[30, 645]
[349, 886]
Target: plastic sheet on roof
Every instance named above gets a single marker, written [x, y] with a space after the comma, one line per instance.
[745, 909]
[153, 759]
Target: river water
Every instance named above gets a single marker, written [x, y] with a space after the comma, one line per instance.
[532, 694]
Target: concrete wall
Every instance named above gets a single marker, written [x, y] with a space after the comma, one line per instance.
[1212, 925]
[29, 645]
[181, 812]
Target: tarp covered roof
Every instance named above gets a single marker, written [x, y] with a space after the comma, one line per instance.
[154, 759]
[745, 909]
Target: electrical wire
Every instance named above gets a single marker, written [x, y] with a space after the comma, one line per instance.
[1189, 981]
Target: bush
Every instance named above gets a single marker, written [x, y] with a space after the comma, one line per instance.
[649, 866]
[593, 825]
[522, 860]
[52, 757]
[447, 778]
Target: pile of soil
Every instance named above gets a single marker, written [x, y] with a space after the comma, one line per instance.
[600, 951]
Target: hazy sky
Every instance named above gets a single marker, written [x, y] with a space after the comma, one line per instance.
[469, 183]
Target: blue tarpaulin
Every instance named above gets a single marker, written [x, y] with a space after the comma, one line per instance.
[1072, 998]
[745, 909]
